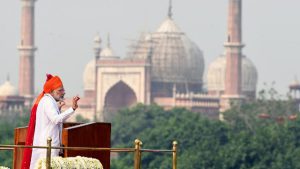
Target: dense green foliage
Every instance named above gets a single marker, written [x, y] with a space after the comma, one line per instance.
[243, 141]
[9, 121]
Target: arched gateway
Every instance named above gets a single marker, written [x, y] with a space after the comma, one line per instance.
[118, 97]
[121, 83]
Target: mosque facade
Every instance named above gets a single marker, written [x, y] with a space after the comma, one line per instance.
[164, 67]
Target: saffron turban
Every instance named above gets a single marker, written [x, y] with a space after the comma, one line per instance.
[52, 83]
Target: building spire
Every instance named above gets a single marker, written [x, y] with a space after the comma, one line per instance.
[27, 51]
[7, 77]
[170, 9]
[234, 47]
[233, 73]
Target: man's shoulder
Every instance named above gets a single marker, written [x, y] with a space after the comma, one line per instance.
[47, 99]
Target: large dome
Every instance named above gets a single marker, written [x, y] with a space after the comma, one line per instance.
[174, 57]
[216, 75]
[89, 76]
[7, 89]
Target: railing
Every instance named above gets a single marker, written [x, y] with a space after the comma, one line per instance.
[137, 151]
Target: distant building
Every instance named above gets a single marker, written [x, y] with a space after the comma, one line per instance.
[10, 101]
[164, 67]
[295, 92]
[26, 50]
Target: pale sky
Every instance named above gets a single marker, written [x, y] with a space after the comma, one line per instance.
[65, 30]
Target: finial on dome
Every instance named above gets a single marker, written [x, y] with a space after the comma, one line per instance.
[170, 9]
[7, 77]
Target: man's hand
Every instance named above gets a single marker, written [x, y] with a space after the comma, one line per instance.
[61, 104]
[75, 100]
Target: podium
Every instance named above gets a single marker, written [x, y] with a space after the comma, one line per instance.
[74, 135]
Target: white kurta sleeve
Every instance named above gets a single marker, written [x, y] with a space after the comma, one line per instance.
[53, 114]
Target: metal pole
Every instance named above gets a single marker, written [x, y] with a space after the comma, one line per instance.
[137, 154]
[48, 157]
[140, 154]
[174, 154]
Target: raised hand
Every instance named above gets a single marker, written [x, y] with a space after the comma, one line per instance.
[75, 100]
[61, 104]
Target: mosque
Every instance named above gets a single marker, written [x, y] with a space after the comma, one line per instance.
[164, 67]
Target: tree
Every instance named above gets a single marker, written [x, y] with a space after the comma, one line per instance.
[158, 128]
[8, 122]
[244, 141]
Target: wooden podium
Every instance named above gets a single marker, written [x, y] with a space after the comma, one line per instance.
[75, 135]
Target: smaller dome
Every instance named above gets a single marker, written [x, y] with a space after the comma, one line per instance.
[89, 76]
[216, 75]
[7, 89]
[107, 52]
[97, 39]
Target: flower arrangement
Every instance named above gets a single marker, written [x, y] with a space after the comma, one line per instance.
[1, 167]
[70, 162]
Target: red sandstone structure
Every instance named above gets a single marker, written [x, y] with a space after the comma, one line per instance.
[27, 49]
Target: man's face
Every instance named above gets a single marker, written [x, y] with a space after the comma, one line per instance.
[58, 94]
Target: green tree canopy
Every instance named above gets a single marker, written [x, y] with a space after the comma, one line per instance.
[244, 141]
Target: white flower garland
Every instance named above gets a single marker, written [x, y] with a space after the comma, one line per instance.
[70, 162]
[1, 167]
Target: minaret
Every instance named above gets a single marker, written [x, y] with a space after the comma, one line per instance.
[233, 47]
[27, 49]
[97, 50]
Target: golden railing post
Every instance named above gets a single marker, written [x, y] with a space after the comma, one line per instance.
[137, 154]
[140, 154]
[174, 154]
[48, 157]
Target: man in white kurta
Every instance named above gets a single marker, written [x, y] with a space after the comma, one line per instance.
[48, 124]
[49, 119]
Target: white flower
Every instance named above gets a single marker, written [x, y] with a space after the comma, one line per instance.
[2, 167]
[70, 163]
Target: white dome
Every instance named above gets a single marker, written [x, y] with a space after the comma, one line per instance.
[7, 89]
[97, 39]
[216, 75]
[174, 57]
[107, 53]
[168, 26]
[89, 76]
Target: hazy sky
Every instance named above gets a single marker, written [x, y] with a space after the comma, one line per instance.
[65, 30]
